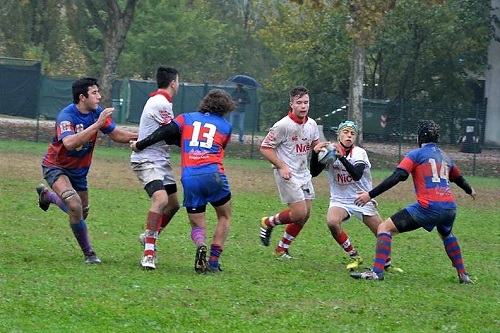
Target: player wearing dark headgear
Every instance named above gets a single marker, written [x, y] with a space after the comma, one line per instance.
[431, 171]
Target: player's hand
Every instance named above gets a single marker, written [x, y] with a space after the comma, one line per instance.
[339, 150]
[473, 194]
[133, 145]
[362, 199]
[285, 173]
[320, 145]
[107, 112]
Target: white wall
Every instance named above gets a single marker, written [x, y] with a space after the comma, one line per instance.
[492, 87]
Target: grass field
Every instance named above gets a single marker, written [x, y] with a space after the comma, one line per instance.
[46, 287]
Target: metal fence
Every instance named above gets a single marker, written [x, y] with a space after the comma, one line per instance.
[384, 122]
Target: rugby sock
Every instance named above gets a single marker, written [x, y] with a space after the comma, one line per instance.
[215, 251]
[345, 243]
[153, 221]
[54, 198]
[81, 234]
[454, 253]
[198, 236]
[291, 231]
[164, 221]
[382, 252]
[278, 219]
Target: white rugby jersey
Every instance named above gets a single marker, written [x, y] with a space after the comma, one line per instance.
[342, 187]
[157, 111]
[291, 138]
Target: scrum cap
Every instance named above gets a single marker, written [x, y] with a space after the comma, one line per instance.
[428, 131]
[347, 124]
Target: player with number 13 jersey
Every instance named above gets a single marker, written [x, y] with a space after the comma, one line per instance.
[203, 136]
[203, 140]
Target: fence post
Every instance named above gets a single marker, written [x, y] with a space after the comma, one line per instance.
[476, 135]
[400, 129]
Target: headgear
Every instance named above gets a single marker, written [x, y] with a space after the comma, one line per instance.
[427, 131]
[345, 124]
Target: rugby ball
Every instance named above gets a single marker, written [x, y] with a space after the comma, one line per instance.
[326, 154]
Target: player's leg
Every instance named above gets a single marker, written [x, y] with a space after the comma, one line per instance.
[151, 175]
[159, 200]
[336, 214]
[453, 251]
[373, 222]
[198, 223]
[290, 192]
[173, 204]
[47, 197]
[223, 210]
[299, 202]
[400, 222]
[195, 204]
[299, 212]
[75, 203]
[169, 211]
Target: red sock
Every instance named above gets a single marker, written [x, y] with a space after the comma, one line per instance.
[282, 217]
[153, 221]
[345, 242]
[292, 230]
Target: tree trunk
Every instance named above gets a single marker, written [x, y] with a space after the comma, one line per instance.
[114, 31]
[356, 88]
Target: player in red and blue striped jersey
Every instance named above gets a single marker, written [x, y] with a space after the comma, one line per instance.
[202, 136]
[68, 158]
[431, 171]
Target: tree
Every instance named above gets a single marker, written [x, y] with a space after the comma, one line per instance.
[32, 29]
[311, 48]
[366, 16]
[175, 37]
[102, 21]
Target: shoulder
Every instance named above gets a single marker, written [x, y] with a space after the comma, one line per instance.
[68, 111]
[358, 149]
[158, 99]
[312, 122]
[282, 122]
[359, 153]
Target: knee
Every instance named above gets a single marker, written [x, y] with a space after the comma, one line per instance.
[334, 226]
[384, 227]
[71, 200]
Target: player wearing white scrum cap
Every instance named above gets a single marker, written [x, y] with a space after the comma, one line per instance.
[348, 174]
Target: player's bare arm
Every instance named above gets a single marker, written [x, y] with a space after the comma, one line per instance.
[271, 156]
[122, 136]
[76, 140]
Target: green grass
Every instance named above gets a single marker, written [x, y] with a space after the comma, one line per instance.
[45, 287]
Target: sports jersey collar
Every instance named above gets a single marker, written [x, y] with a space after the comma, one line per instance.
[297, 119]
[350, 150]
[163, 93]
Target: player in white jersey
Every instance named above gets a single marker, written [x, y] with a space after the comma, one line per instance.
[348, 173]
[152, 165]
[287, 146]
